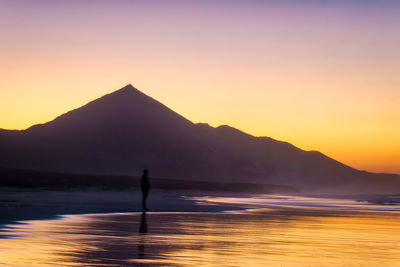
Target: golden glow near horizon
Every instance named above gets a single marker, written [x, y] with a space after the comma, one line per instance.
[312, 75]
[208, 239]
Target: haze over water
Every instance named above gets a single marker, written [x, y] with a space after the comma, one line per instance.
[264, 235]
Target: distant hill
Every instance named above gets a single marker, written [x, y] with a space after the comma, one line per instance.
[125, 131]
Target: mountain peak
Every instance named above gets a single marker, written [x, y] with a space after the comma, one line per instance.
[127, 106]
[129, 88]
[126, 94]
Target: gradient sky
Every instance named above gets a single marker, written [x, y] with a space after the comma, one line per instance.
[323, 75]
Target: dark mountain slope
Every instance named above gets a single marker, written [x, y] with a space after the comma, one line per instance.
[126, 131]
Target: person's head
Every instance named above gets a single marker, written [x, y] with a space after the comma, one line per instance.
[145, 171]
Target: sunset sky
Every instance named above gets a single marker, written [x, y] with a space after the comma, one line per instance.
[322, 75]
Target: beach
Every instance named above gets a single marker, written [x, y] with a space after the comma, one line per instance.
[201, 229]
[44, 203]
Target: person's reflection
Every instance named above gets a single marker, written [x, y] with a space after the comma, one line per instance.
[143, 224]
[142, 234]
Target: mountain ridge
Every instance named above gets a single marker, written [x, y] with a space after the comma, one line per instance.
[125, 131]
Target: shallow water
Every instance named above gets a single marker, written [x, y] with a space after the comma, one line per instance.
[258, 237]
[302, 202]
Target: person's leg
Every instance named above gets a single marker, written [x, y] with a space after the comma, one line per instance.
[144, 206]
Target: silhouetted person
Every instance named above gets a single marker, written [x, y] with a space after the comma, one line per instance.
[145, 185]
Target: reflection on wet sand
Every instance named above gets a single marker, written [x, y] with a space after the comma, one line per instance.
[142, 232]
[253, 238]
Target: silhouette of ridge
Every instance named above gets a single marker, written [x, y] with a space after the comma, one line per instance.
[125, 106]
[126, 131]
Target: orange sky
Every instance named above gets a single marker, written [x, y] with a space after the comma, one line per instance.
[321, 76]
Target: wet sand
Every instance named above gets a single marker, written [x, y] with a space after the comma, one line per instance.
[252, 238]
[26, 204]
[254, 235]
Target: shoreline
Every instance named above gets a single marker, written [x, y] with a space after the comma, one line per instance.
[22, 204]
[275, 236]
[18, 204]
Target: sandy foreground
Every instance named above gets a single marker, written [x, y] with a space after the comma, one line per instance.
[106, 228]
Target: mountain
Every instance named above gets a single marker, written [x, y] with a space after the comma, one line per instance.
[125, 131]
